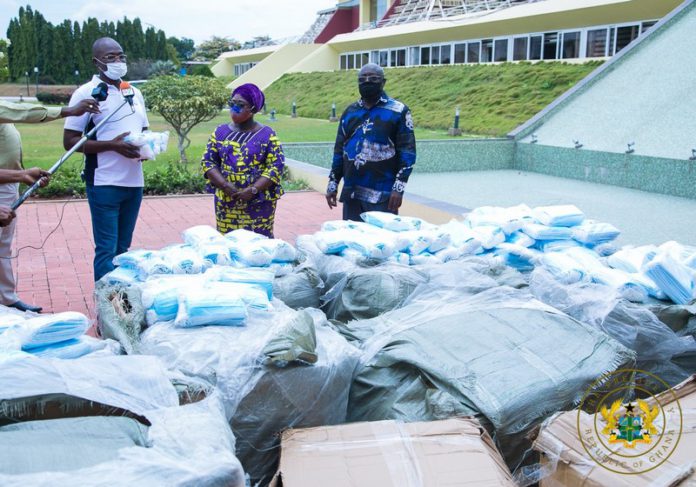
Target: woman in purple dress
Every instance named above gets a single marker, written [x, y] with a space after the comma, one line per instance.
[243, 163]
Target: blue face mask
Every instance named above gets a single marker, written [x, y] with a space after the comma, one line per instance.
[236, 109]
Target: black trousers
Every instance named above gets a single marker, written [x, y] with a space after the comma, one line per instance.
[352, 208]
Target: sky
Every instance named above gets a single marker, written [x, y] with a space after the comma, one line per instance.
[196, 19]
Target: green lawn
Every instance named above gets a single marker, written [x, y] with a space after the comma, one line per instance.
[43, 143]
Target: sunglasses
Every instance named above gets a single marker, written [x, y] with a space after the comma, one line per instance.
[370, 79]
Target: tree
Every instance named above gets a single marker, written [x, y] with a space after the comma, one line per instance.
[212, 48]
[161, 68]
[184, 47]
[4, 70]
[184, 102]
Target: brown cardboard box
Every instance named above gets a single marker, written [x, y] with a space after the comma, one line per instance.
[572, 466]
[453, 452]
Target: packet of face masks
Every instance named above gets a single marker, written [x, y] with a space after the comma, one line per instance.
[151, 144]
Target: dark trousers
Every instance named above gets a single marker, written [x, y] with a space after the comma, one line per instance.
[114, 212]
[353, 208]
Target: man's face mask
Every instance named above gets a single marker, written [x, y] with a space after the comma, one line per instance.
[370, 86]
[115, 70]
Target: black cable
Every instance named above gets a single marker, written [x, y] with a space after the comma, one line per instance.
[60, 220]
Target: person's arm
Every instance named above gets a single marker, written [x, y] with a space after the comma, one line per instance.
[272, 172]
[210, 167]
[336, 173]
[6, 216]
[26, 176]
[23, 113]
[406, 153]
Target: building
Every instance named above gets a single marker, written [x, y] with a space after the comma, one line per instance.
[402, 33]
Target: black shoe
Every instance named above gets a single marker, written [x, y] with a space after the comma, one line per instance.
[25, 307]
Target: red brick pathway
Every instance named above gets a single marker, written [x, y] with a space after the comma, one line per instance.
[59, 277]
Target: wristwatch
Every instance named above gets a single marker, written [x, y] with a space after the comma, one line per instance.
[254, 190]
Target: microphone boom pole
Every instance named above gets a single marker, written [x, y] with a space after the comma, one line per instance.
[65, 157]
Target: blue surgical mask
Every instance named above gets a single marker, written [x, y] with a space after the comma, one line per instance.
[236, 109]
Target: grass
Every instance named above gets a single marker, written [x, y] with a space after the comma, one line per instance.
[493, 99]
[43, 143]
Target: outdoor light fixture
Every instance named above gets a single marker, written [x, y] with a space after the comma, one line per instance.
[577, 144]
[631, 149]
[534, 138]
[693, 155]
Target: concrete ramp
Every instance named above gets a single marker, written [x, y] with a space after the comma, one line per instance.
[275, 65]
[643, 96]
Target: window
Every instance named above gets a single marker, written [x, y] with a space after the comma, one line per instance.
[647, 26]
[571, 45]
[487, 50]
[365, 58]
[535, 43]
[473, 50]
[377, 9]
[398, 57]
[597, 43]
[625, 35]
[550, 45]
[446, 54]
[435, 55]
[392, 59]
[460, 53]
[384, 58]
[374, 57]
[612, 35]
[414, 56]
[425, 55]
[344, 62]
[501, 48]
[351, 63]
[519, 49]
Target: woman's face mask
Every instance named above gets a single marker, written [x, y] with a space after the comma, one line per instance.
[240, 111]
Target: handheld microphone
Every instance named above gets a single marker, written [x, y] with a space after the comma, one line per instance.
[128, 93]
[100, 92]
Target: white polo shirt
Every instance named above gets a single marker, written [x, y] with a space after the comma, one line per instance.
[110, 168]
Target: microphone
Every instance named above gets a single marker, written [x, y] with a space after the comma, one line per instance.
[128, 93]
[100, 92]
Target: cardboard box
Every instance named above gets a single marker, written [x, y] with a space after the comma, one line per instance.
[453, 452]
[564, 454]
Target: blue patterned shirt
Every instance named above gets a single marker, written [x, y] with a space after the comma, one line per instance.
[375, 151]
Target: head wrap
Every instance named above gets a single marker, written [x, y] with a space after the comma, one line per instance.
[252, 94]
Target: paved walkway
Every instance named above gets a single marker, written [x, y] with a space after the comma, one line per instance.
[59, 277]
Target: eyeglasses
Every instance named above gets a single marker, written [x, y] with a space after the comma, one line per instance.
[237, 103]
[110, 58]
[370, 79]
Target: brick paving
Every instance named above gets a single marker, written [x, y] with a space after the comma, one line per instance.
[59, 277]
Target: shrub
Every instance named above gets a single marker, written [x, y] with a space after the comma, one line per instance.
[201, 70]
[161, 68]
[51, 98]
[47, 79]
[174, 178]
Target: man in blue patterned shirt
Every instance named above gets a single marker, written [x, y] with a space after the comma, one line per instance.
[375, 150]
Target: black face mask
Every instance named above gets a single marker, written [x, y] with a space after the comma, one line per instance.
[370, 91]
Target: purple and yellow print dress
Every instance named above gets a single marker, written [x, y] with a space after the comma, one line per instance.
[242, 158]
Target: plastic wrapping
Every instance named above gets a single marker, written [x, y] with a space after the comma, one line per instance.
[182, 259]
[124, 276]
[75, 348]
[488, 236]
[462, 236]
[544, 232]
[368, 292]
[120, 314]
[251, 254]
[392, 222]
[151, 144]
[520, 238]
[242, 235]
[44, 330]
[493, 354]
[212, 305]
[559, 215]
[509, 219]
[185, 445]
[260, 277]
[261, 400]
[592, 233]
[201, 234]
[635, 326]
[674, 278]
[280, 250]
[302, 288]
[632, 259]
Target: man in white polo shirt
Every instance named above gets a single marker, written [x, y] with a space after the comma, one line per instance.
[113, 169]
